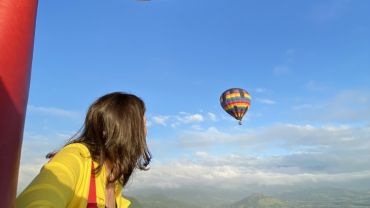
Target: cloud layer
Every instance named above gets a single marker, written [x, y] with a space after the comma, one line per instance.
[280, 154]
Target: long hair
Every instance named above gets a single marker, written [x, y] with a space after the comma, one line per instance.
[114, 131]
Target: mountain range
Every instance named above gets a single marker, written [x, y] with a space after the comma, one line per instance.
[307, 198]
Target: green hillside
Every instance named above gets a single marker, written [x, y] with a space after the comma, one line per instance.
[304, 198]
[134, 202]
[260, 201]
[159, 201]
[253, 201]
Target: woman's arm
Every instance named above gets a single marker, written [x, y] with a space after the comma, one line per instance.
[54, 185]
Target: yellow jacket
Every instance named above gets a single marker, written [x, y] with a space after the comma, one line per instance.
[65, 181]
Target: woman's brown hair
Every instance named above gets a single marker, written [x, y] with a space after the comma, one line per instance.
[114, 131]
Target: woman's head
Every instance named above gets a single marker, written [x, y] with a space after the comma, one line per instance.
[115, 132]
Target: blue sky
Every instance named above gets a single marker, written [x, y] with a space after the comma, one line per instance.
[305, 63]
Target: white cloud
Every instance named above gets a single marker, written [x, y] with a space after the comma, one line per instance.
[182, 118]
[204, 138]
[191, 118]
[212, 116]
[266, 101]
[303, 106]
[291, 137]
[53, 111]
[196, 127]
[161, 120]
[188, 173]
[260, 90]
[314, 154]
[348, 105]
[286, 148]
[175, 125]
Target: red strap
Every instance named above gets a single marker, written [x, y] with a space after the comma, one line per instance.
[91, 201]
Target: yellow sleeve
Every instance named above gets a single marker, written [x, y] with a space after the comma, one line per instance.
[54, 185]
[123, 203]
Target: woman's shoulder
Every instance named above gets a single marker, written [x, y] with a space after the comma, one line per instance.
[72, 156]
[76, 148]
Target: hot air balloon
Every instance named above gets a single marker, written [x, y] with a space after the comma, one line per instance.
[236, 102]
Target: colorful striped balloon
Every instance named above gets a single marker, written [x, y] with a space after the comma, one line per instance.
[236, 102]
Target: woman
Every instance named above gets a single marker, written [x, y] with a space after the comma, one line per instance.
[91, 169]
